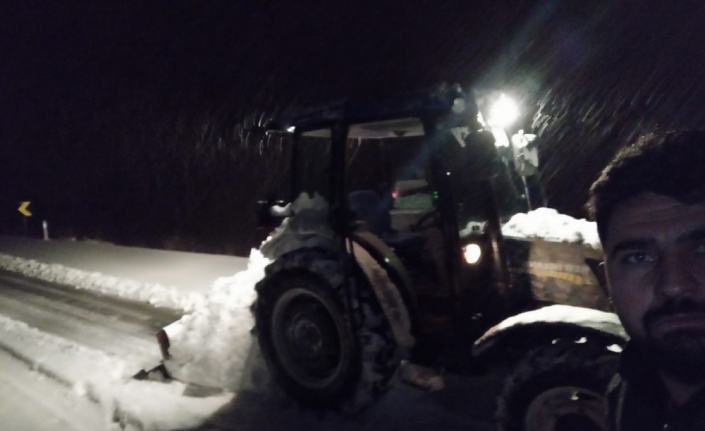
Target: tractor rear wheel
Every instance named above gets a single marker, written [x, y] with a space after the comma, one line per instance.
[320, 354]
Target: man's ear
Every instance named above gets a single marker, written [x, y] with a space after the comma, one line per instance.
[602, 278]
[598, 269]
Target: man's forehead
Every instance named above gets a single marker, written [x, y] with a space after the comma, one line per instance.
[653, 216]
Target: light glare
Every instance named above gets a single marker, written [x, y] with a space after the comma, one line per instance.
[503, 112]
[500, 137]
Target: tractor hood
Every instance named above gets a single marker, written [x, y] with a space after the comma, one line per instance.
[565, 315]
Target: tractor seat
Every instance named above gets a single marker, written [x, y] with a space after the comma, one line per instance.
[369, 208]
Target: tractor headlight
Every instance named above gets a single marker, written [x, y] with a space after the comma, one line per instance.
[472, 253]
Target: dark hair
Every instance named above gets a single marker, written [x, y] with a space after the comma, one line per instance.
[670, 164]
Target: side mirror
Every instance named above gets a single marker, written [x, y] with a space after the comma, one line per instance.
[526, 153]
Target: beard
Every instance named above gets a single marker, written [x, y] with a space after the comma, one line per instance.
[678, 353]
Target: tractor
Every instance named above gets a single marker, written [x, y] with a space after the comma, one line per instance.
[388, 258]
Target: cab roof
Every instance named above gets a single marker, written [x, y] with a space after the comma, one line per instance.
[398, 116]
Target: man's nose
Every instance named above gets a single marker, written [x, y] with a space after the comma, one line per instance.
[675, 276]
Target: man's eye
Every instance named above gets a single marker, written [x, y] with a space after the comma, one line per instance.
[637, 257]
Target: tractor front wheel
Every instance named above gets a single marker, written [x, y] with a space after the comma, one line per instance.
[558, 387]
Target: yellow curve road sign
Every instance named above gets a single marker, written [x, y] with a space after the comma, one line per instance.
[24, 209]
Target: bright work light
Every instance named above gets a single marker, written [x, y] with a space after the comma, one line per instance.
[503, 112]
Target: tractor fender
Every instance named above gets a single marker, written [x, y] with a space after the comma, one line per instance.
[527, 330]
[323, 262]
[307, 228]
[328, 264]
[367, 250]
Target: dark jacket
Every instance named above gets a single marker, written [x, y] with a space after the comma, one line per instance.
[637, 400]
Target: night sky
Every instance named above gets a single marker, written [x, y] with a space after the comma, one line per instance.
[140, 122]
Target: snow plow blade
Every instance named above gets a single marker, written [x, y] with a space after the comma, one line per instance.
[163, 340]
[158, 372]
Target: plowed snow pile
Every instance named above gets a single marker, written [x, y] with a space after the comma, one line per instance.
[549, 224]
[210, 345]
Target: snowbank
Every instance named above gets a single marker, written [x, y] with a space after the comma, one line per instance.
[550, 225]
[153, 293]
[210, 345]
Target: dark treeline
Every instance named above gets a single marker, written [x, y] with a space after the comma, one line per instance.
[141, 122]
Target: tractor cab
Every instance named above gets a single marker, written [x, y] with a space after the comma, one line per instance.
[413, 181]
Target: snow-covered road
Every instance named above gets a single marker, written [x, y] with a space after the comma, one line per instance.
[90, 329]
[98, 321]
[88, 345]
[31, 401]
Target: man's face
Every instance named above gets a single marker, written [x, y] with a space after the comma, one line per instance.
[655, 269]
